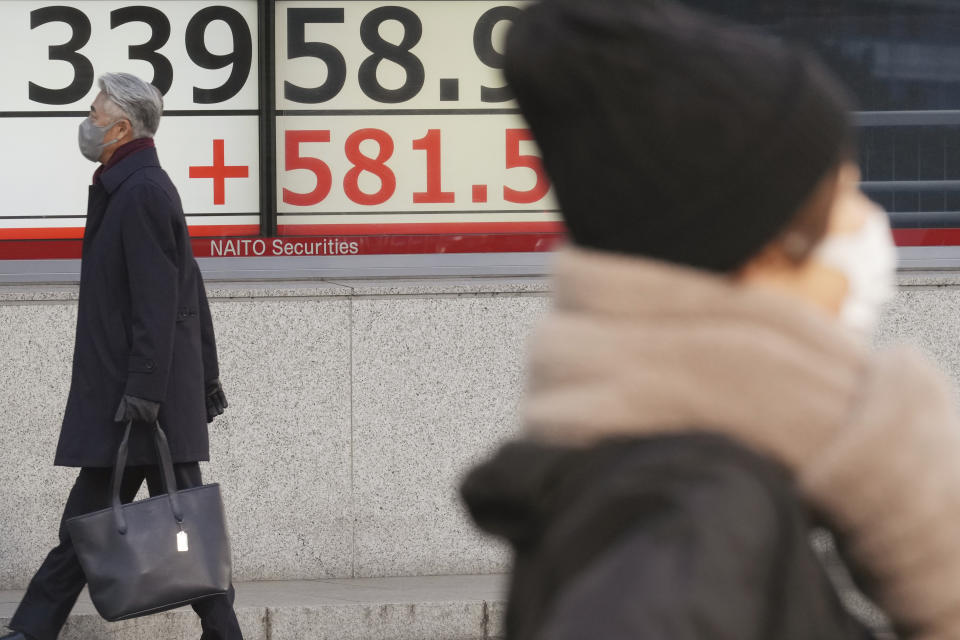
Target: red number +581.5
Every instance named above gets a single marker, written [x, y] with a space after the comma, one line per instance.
[430, 144]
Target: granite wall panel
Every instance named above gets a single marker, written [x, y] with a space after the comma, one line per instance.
[355, 407]
[437, 385]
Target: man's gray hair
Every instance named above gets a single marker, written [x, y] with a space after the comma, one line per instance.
[139, 101]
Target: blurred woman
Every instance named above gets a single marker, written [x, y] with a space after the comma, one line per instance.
[712, 315]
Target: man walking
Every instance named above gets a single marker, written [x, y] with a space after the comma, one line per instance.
[144, 350]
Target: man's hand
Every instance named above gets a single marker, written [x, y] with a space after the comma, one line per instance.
[137, 409]
[216, 400]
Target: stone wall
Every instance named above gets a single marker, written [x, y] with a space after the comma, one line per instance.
[354, 409]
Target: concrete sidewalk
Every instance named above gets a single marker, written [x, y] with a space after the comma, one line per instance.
[421, 608]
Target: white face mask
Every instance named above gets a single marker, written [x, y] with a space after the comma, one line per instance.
[868, 259]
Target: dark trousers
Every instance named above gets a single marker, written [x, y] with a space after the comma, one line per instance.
[59, 581]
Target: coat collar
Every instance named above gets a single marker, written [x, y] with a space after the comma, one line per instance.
[115, 175]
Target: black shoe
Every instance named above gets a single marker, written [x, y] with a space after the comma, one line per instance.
[16, 635]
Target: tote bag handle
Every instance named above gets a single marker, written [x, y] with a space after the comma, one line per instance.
[166, 465]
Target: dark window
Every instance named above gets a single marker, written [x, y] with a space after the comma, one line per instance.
[901, 59]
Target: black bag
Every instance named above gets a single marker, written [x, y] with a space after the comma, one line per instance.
[157, 554]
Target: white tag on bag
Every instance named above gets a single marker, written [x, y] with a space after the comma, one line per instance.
[182, 542]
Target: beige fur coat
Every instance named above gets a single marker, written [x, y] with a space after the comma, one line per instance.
[873, 439]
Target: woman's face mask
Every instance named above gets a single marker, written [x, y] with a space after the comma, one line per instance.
[867, 257]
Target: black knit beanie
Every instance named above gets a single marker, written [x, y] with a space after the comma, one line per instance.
[671, 134]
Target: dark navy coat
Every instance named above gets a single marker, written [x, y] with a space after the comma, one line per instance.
[143, 323]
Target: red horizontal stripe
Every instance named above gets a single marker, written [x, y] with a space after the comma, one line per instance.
[377, 245]
[313, 246]
[69, 233]
[468, 239]
[926, 237]
[41, 233]
[224, 230]
[413, 228]
[39, 249]
[247, 230]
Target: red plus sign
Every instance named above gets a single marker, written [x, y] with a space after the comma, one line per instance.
[219, 172]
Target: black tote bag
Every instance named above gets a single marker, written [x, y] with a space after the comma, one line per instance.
[156, 554]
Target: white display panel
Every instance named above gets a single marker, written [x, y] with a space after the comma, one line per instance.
[398, 114]
[378, 55]
[419, 167]
[95, 36]
[204, 56]
[417, 148]
[50, 184]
